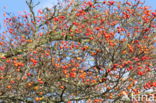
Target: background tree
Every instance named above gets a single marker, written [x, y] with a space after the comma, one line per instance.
[95, 51]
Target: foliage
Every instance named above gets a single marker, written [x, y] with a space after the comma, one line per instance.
[95, 51]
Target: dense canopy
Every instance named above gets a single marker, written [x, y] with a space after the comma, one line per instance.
[79, 50]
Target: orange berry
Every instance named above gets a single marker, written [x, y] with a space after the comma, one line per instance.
[36, 88]
[9, 86]
[62, 87]
[37, 99]
[40, 93]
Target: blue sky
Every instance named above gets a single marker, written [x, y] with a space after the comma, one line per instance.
[16, 6]
[20, 5]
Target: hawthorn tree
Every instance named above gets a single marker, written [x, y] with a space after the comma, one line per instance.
[91, 51]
